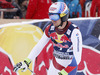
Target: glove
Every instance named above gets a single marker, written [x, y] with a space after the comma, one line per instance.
[63, 72]
[22, 65]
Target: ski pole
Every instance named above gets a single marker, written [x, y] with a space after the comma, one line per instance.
[31, 71]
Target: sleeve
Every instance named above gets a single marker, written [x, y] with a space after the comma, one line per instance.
[38, 47]
[47, 30]
[76, 39]
[32, 6]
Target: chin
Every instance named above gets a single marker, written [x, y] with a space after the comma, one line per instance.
[55, 25]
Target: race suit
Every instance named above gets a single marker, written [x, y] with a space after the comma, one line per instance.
[67, 44]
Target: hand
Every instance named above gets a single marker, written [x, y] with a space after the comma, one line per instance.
[22, 65]
[63, 72]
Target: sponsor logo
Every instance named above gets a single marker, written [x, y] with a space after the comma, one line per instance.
[53, 9]
[59, 38]
[6, 66]
[68, 32]
[52, 28]
[90, 63]
[61, 46]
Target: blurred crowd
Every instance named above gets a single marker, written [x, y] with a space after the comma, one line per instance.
[38, 9]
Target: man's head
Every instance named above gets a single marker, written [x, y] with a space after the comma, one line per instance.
[59, 10]
[58, 13]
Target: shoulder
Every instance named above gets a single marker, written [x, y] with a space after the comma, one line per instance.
[73, 26]
[47, 29]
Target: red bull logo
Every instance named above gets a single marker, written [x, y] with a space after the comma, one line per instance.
[60, 38]
[64, 38]
[6, 66]
[90, 63]
[54, 35]
[60, 45]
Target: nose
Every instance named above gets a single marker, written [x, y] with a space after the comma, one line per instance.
[53, 21]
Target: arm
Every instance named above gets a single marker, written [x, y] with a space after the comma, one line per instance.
[33, 54]
[38, 48]
[77, 44]
[40, 45]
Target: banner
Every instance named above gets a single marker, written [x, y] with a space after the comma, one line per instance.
[6, 64]
[90, 29]
[18, 39]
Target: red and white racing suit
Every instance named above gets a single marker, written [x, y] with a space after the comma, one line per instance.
[67, 44]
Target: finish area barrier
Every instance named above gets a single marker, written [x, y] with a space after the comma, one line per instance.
[18, 37]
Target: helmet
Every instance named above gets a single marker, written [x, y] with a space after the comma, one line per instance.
[59, 10]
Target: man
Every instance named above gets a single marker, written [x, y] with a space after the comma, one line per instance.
[95, 8]
[82, 2]
[38, 9]
[13, 11]
[23, 6]
[87, 8]
[66, 39]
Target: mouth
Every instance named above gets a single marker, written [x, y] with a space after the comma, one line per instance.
[54, 23]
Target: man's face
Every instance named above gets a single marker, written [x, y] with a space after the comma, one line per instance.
[55, 18]
[56, 23]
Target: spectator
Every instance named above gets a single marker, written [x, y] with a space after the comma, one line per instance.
[82, 3]
[87, 1]
[87, 8]
[5, 4]
[38, 9]
[10, 4]
[66, 1]
[23, 5]
[74, 7]
[78, 11]
[95, 8]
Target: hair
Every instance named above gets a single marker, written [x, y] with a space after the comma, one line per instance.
[54, 0]
[20, 2]
[8, 0]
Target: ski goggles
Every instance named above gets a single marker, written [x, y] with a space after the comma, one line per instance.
[54, 16]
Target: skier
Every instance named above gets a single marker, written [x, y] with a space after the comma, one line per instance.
[36, 7]
[87, 8]
[67, 42]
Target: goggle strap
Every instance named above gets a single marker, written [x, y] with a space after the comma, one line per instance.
[54, 13]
